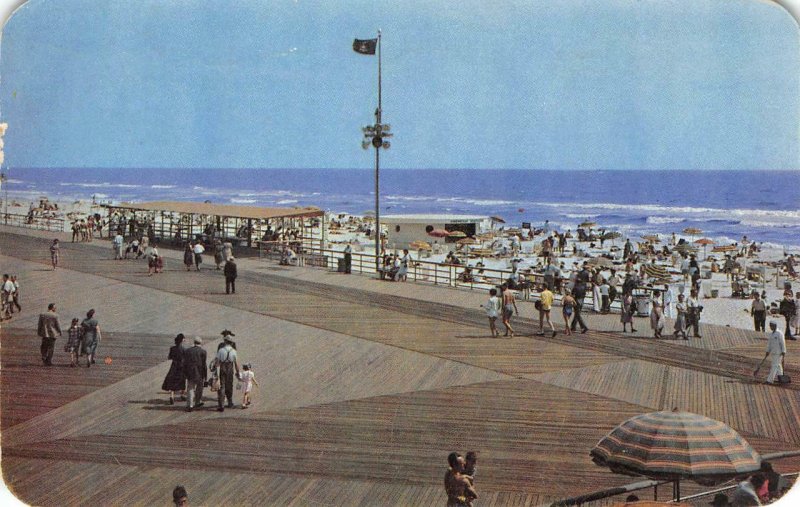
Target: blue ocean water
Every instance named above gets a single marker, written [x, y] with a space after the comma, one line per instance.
[725, 205]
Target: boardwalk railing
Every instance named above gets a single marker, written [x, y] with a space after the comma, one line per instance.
[39, 223]
[638, 486]
[311, 253]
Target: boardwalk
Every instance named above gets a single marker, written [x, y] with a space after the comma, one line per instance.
[366, 386]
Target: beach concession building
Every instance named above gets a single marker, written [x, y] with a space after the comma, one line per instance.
[242, 225]
[404, 229]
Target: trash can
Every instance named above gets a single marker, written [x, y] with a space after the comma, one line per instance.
[341, 266]
[714, 293]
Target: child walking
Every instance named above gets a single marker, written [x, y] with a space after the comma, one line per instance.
[73, 343]
[248, 378]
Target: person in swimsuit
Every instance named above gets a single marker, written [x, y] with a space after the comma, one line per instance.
[567, 309]
[509, 309]
[460, 492]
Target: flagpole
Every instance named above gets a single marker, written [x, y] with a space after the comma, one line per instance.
[377, 167]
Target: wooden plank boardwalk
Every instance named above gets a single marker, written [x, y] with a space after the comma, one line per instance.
[366, 388]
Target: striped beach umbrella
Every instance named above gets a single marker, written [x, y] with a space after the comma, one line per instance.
[656, 271]
[676, 445]
[724, 248]
[457, 234]
[419, 245]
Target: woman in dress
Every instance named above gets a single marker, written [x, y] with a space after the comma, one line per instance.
[402, 273]
[627, 312]
[174, 381]
[567, 309]
[219, 256]
[91, 337]
[188, 256]
[680, 321]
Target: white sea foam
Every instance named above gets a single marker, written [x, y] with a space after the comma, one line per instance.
[243, 201]
[664, 220]
[162, 186]
[105, 184]
[287, 201]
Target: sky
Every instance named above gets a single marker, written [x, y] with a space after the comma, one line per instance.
[578, 84]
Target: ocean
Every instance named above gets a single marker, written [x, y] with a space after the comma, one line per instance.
[725, 205]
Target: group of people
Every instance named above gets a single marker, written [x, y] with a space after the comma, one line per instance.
[84, 229]
[9, 292]
[189, 372]
[83, 337]
[395, 267]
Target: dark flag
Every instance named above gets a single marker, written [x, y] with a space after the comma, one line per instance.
[365, 47]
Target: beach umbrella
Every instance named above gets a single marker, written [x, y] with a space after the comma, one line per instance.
[651, 238]
[724, 248]
[685, 248]
[612, 235]
[656, 271]
[588, 224]
[438, 233]
[497, 219]
[692, 231]
[467, 241]
[419, 245]
[457, 234]
[705, 242]
[674, 446]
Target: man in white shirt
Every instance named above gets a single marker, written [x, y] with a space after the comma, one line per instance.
[693, 310]
[198, 250]
[117, 244]
[669, 302]
[776, 351]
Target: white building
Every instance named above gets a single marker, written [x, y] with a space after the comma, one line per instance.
[404, 229]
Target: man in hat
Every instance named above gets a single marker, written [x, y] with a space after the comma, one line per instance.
[227, 363]
[776, 351]
[195, 373]
[230, 275]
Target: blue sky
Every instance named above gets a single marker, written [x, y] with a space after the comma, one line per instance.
[577, 84]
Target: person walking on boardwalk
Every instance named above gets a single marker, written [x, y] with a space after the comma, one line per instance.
[219, 255]
[626, 317]
[509, 308]
[758, 310]
[693, 310]
[581, 280]
[195, 372]
[776, 352]
[117, 246]
[227, 363]
[198, 250]
[188, 256]
[348, 259]
[669, 302]
[460, 492]
[73, 346]
[14, 295]
[788, 308]
[493, 308]
[545, 305]
[91, 337]
[680, 320]
[55, 251]
[48, 329]
[174, 381]
[7, 296]
[567, 310]
[230, 276]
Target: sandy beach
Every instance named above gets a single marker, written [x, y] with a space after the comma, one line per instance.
[505, 247]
